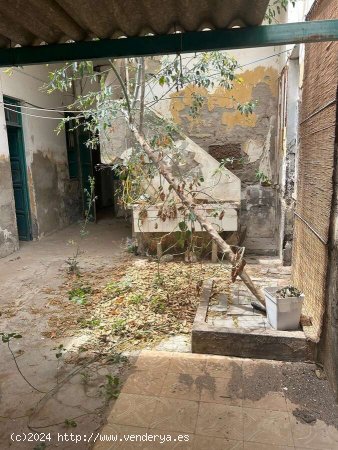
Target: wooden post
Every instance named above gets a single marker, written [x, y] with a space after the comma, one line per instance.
[214, 251]
[159, 250]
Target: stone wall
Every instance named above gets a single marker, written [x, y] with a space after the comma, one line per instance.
[224, 132]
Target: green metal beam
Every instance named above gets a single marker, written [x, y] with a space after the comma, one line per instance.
[227, 39]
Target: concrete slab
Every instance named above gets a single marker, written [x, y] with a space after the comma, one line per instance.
[220, 403]
[243, 332]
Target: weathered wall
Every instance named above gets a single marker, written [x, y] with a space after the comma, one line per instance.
[291, 67]
[328, 345]
[54, 198]
[287, 151]
[315, 238]
[224, 132]
[8, 231]
[221, 130]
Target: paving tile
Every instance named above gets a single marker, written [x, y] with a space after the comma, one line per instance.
[178, 343]
[144, 382]
[152, 360]
[169, 440]
[221, 366]
[267, 427]
[214, 443]
[241, 310]
[182, 385]
[118, 432]
[226, 322]
[227, 391]
[314, 448]
[175, 415]
[218, 308]
[274, 401]
[132, 409]
[315, 435]
[259, 446]
[220, 421]
[252, 322]
[188, 363]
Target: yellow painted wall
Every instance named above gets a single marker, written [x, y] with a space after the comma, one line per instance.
[242, 92]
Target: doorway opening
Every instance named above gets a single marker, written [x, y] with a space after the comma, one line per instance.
[18, 168]
[84, 164]
[91, 167]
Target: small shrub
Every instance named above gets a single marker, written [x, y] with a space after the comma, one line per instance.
[135, 299]
[70, 423]
[157, 304]
[90, 323]
[111, 388]
[117, 358]
[79, 295]
[73, 265]
[117, 288]
[158, 280]
[119, 325]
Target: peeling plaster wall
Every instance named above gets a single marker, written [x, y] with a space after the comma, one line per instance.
[9, 241]
[54, 198]
[223, 131]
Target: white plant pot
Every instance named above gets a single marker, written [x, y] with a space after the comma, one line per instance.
[283, 313]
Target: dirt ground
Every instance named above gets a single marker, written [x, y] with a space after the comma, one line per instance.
[28, 279]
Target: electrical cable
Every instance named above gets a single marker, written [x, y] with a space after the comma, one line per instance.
[57, 110]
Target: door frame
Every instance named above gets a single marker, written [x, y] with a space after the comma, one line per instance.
[22, 153]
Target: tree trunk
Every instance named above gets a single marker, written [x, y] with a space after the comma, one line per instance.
[204, 222]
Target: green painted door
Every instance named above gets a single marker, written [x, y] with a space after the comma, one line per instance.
[18, 167]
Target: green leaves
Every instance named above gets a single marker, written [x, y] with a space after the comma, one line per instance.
[182, 226]
[70, 423]
[112, 387]
[7, 337]
[192, 216]
[60, 351]
[162, 80]
[79, 295]
[247, 108]
[276, 7]
[262, 177]
[198, 101]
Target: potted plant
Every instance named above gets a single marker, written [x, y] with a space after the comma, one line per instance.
[283, 307]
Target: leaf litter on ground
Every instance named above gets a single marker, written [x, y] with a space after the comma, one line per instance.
[134, 304]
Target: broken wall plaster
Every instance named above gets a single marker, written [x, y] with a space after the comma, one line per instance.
[220, 123]
[51, 208]
[242, 92]
[8, 229]
[57, 200]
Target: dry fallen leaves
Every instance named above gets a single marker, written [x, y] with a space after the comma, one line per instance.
[135, 303]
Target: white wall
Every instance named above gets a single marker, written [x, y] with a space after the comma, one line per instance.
[25, 85]
[53, 196]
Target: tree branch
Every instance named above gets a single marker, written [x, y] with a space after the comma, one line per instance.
[204, 222]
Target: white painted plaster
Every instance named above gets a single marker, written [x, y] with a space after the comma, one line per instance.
[253, 149]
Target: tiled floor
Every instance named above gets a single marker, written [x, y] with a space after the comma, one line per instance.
[236, 311]
[205, 402]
